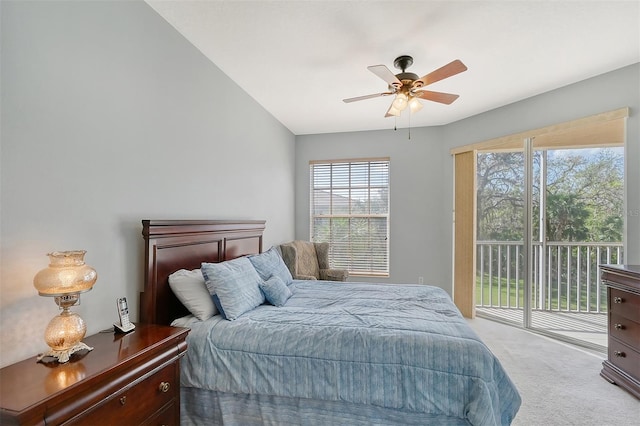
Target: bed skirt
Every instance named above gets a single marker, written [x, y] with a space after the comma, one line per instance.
[200, 407]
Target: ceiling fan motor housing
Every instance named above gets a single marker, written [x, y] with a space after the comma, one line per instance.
[403, 62]
[407, 78]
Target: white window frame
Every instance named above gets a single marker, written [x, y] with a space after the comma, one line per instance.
[373, 260]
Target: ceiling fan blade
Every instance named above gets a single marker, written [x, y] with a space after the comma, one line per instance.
[385, 73]
[452, 68]
[443, 98]
[361, 98]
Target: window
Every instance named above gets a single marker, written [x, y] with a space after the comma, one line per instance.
[350, 210]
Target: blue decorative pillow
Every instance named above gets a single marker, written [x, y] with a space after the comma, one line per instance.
[237, 285]
[269, 264]
[275, 291]
[216, 303]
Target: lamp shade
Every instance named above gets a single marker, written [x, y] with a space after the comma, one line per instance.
[400, 102]
[66, 273]
[415, 105]
[393, 111]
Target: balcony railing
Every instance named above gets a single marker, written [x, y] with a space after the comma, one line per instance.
[565, 275]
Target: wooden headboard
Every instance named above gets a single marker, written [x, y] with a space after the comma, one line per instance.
[171, 245]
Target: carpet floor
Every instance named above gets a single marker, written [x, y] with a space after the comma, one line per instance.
[560, 384]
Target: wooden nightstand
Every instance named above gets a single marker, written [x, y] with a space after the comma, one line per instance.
[127, 379]
[622, 366]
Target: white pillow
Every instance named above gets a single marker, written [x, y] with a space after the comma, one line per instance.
[185, 321]
[190, 288]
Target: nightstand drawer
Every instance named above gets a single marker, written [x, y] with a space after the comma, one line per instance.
[625, 330]
[136, 403]
[170, 415]
[624, 357]
[624, 303]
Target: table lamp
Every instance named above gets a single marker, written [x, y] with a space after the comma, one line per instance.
[64, 279]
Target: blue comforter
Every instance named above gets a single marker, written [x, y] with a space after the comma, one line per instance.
[403, 347]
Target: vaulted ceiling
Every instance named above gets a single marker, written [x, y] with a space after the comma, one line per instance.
[299, 59]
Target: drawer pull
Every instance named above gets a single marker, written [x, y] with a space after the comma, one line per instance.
[619, 354]
[123, 400]
[618, 326]
[164, 387]
[617, 299]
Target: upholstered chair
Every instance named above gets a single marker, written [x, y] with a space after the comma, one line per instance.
[310, 261]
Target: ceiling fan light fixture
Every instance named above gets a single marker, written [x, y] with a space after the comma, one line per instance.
[415, 105]
[400, 102]
[393, 111]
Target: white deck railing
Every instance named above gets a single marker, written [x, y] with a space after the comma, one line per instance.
[565, 275]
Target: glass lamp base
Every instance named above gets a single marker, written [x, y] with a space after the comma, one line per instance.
[63, 355]
[65, 331]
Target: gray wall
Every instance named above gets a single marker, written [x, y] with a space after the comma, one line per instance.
[109, 116]
[421, 212]
[418, 223]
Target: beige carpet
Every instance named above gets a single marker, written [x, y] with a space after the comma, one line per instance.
[559, 384]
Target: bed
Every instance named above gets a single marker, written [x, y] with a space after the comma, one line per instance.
[332, 353]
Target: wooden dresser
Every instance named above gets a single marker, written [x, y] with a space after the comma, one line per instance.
[622, 365]
[127, 379]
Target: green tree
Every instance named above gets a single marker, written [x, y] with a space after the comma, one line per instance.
[584, 196]
[566, 218]
[499, 196]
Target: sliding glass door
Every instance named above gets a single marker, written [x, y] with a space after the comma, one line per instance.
[546, 218]
[500, 254]
[580, 226]
[535, 213]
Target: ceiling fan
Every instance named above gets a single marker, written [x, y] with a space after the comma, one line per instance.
[407, 86]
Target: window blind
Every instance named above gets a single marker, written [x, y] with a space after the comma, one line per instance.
[349, 205]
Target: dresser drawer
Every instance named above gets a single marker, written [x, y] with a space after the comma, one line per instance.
[137, 403]
[625, 330]
[624, 357]
[624, 303]
[169, 416]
